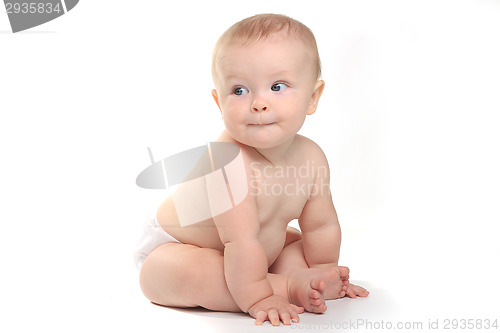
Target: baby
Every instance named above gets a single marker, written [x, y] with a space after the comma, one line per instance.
[266, 72]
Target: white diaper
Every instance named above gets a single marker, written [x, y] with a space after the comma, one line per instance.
[153, 236]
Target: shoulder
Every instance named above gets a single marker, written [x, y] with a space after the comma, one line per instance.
[313, 157]
[309, 149]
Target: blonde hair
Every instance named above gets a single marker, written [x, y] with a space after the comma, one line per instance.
[262, 26]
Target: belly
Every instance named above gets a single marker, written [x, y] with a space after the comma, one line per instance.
[204, 234]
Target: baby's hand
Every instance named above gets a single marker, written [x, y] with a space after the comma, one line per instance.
[274, 308]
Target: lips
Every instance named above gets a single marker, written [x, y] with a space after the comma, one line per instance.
[263, 124]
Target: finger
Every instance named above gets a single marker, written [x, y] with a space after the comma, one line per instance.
[294, 311]
[261, 317]
[285, 317]
[274, 317]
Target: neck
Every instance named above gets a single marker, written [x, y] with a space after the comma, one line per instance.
[277, 155]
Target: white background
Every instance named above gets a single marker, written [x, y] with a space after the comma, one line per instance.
[409, 122]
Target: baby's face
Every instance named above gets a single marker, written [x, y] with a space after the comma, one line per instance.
[265, 90]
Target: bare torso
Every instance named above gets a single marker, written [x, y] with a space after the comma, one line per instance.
[281, 193]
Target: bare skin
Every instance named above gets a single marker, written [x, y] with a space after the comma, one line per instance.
[171, 273]
[183, 285]
[291, 262]
[246, 259]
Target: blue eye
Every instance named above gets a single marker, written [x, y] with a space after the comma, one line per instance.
[278, 87]
[240, 91]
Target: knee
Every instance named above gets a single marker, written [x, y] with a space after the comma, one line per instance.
[167, 276]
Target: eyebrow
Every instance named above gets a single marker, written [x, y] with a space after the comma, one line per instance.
[277, 73]
[231, 77]
[280, 72]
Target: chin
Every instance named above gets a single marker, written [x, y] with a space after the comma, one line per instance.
[260, 140]
[259, 144]
[265, 144]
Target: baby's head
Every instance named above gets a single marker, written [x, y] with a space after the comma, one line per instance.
[266, 71]
[261, 27]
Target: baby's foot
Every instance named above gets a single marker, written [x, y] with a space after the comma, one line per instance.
[308, 293]
[354, 291]
[337, 283]
[336, 279]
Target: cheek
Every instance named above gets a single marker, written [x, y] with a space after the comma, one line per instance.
[298, 108]
[299, 121]
[295, 106]
[234, 109]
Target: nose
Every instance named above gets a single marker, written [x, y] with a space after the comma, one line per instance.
[259, 106]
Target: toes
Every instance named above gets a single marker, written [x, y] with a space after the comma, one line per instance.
[312, 293]
[343, 272]
[316, 298]
[316, 301]
[318, 284]
[363, 292]
[356, 291]
[319, 309]
[351, 293]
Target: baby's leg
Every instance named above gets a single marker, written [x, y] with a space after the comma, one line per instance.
[291, 262]
[183, 275]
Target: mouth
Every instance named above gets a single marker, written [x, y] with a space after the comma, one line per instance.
[263, 124]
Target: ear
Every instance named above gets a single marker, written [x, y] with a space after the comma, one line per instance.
[318, 90]
[216, 99]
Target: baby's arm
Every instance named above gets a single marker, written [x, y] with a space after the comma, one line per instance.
[320, 226]
[245, 262]
[318, 222]
[246, 265]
